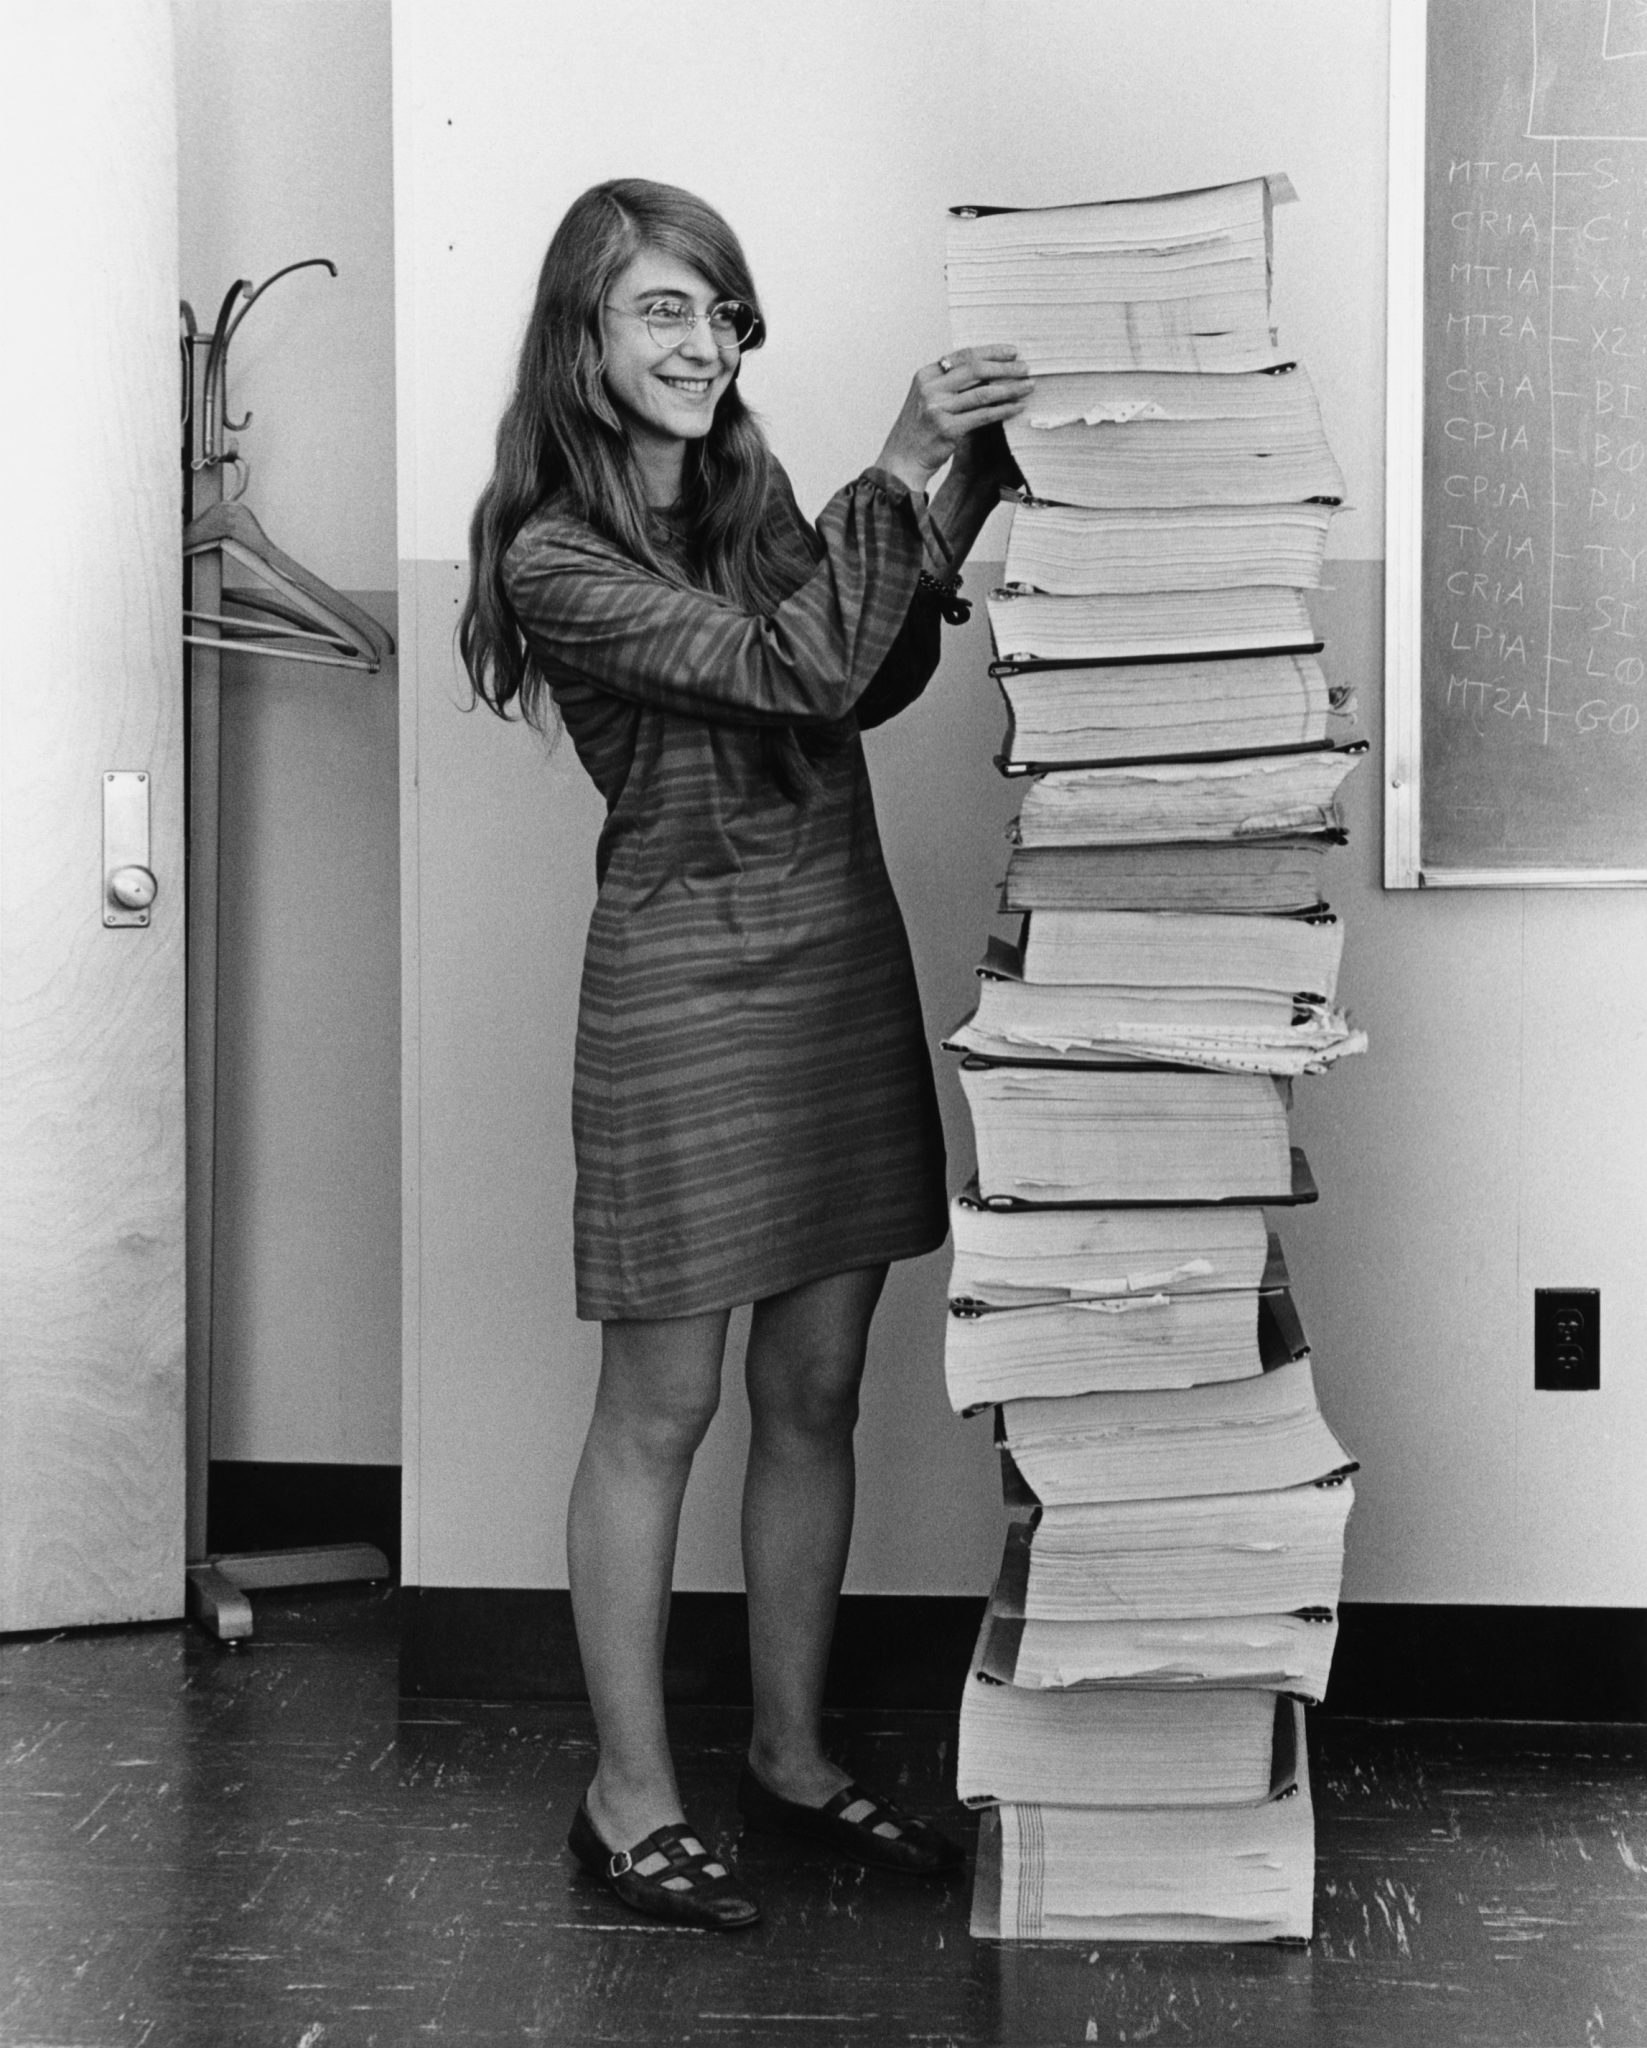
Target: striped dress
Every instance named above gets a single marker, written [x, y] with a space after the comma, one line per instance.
[753, 1104]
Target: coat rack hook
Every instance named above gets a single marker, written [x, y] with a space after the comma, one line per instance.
[186, 332]
[217, 420]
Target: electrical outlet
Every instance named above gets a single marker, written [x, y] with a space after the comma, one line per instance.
[1567, 1339]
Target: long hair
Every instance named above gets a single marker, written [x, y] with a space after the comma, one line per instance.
[561, 434]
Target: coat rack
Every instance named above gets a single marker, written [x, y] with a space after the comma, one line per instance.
[286, 613]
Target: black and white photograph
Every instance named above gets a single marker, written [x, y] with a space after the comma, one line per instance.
[823, 1085]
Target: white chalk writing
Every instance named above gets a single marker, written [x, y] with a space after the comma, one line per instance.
[1536, 442]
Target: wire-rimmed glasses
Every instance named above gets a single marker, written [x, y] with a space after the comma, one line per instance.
[732, 323]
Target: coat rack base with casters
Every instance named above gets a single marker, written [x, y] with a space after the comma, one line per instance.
[289, 615]
[217, 1588]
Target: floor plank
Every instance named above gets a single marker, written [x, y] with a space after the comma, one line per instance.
[264, 1846]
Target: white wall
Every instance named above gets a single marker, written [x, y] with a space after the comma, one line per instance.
[1492, 1143]
[285, 139]
[850, 129]
[1479, 1151]
[285, 153]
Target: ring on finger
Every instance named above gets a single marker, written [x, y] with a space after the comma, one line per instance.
[945, 365]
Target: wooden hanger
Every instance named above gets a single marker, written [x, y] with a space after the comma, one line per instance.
[298, 618]
[337, 633]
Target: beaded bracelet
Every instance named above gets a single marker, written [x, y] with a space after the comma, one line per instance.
[954, 607]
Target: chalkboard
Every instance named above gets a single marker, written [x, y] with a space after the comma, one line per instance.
[1531, 613]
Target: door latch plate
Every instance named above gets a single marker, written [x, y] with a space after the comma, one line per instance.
[125, 841]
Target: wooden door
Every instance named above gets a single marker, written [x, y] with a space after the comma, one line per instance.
[91, 1014]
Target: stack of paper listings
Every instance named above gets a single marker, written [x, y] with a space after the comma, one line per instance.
[1132, 1723]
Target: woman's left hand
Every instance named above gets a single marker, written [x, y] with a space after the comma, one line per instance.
[950, 402]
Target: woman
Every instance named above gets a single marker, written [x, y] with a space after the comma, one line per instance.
[753, 1110]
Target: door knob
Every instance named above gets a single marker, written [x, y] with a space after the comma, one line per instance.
[132, 887]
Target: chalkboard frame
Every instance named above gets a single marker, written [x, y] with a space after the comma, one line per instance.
[1404, 509]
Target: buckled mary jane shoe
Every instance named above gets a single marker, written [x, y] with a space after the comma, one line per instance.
[668, 1876]
[855, 1823]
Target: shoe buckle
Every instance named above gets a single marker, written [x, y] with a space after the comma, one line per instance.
[620, 1862]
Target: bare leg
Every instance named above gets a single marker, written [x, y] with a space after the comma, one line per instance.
[659, 1386]
[805, 1360]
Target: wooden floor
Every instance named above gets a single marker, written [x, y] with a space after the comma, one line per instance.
[202, 1848]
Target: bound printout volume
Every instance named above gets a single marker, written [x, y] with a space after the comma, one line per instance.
[1067, 1133]
[1275, 872]
[1078, 553]
[1231, 441]
[1257, 796]
[1241, 994]
[1132, 1723]
[1063, 1872]
[1228, 1030]
[1193, 1747]
[1168, 949]
[1174, 283]
[1191, 1559]
[1149, 625]
[1189, 1337]
[1252, 1434]
[1248, 704]
[1289, 1653]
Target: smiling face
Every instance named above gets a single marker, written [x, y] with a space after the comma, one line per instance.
[666, 397]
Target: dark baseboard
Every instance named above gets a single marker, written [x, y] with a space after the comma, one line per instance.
[266, 1506]
[891, 1650]
[1491, 1663]
[911, 1651]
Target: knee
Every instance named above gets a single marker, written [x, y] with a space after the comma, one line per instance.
[660, 1384]
[815, 1400]
[663, 1427]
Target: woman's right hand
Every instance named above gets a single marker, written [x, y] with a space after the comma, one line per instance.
[948, 400]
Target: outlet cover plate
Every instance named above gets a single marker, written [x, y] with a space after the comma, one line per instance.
[1567, 1339]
